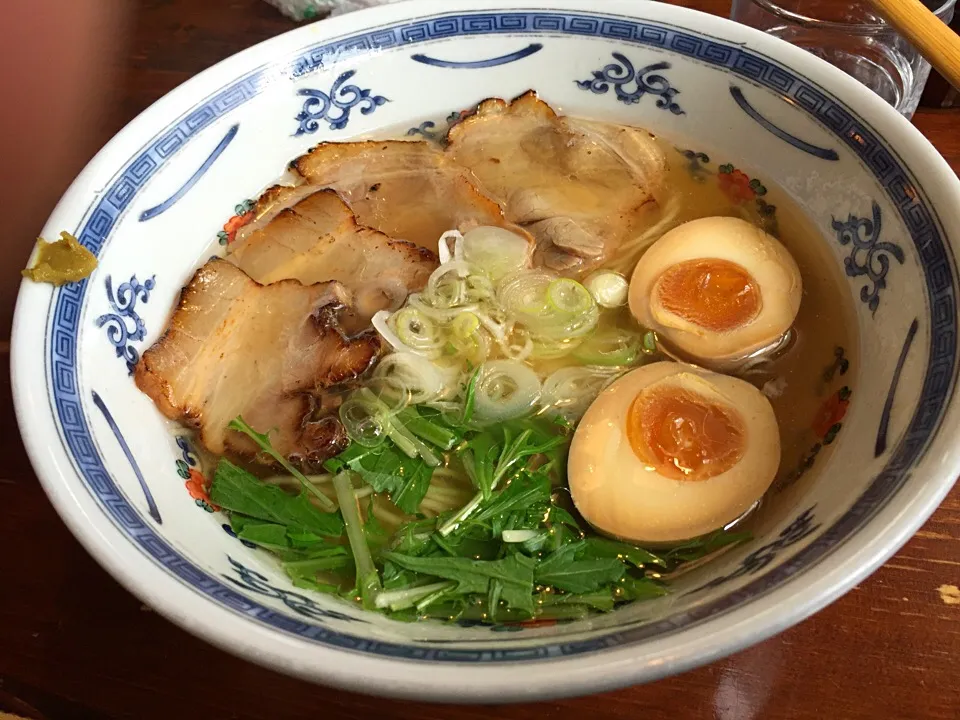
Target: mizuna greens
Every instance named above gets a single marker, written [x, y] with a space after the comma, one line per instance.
[514, 552]
[451, 499]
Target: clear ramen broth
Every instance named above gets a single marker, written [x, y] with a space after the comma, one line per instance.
[436, 428]
[825, 323]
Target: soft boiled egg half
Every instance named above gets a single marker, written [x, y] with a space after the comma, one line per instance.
[670, 452]
[717, 289]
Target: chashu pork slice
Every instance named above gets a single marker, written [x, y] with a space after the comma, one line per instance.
[408, 190]
[319, 239]
[583, 189]
[273, 354]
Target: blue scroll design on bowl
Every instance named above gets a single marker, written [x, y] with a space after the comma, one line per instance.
[108, 416]
[124, 325]
[187, 456]
[426, 129]
[697, 163]
[622, 74]
[868, 254]
[531, 49]
[429, 130]
[192, 180]
[825, 153]
[253, 581]
[334, 107]
[881, 444]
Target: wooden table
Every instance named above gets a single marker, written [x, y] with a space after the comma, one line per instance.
[76, 646]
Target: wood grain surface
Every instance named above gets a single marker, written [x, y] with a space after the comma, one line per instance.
[74, 645]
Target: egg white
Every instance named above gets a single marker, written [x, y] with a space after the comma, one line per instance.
[621, 496]
[768, 262]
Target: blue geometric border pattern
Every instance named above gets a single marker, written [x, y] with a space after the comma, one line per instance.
[855, 133]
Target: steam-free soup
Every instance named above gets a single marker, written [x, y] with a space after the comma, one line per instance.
[524, 373]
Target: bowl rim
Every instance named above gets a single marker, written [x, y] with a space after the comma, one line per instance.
[591, 672]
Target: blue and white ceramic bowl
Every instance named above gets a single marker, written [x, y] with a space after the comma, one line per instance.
[152, 203]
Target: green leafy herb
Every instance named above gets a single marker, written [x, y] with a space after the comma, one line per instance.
[441, 591]
[238, 491]
[420, 595]
[303, 539]
[514, 572]
[650, 342]
[558, 515]
[263, 441]
[601, 599]
[524, 490]
[386, 469]
[480, 459]
[460, 564]
[562, 569]
[413, 489]
[368, 579]
[520, 441]
[334, 559]
[308, 583]
[494, 591]
[414, 538]
[405, 440]
[396, 577]
[632, 588]
[329, 562]
[572, 611]
[374, 532]
[266, 535]
[469, 399]
[523, 446]
[701, 547]
[427, 428]
[480, 545]
[289, 544]
[602, 548]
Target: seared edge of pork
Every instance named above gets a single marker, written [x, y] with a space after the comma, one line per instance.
[274, 354]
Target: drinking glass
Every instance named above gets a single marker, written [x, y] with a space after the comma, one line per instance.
[851, 36]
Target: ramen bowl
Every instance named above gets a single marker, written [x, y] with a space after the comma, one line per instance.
[742, 109]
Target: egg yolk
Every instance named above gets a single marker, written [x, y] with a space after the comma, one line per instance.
[684, 435]
[715, 294]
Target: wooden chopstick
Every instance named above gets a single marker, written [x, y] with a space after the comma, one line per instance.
[928, 33]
